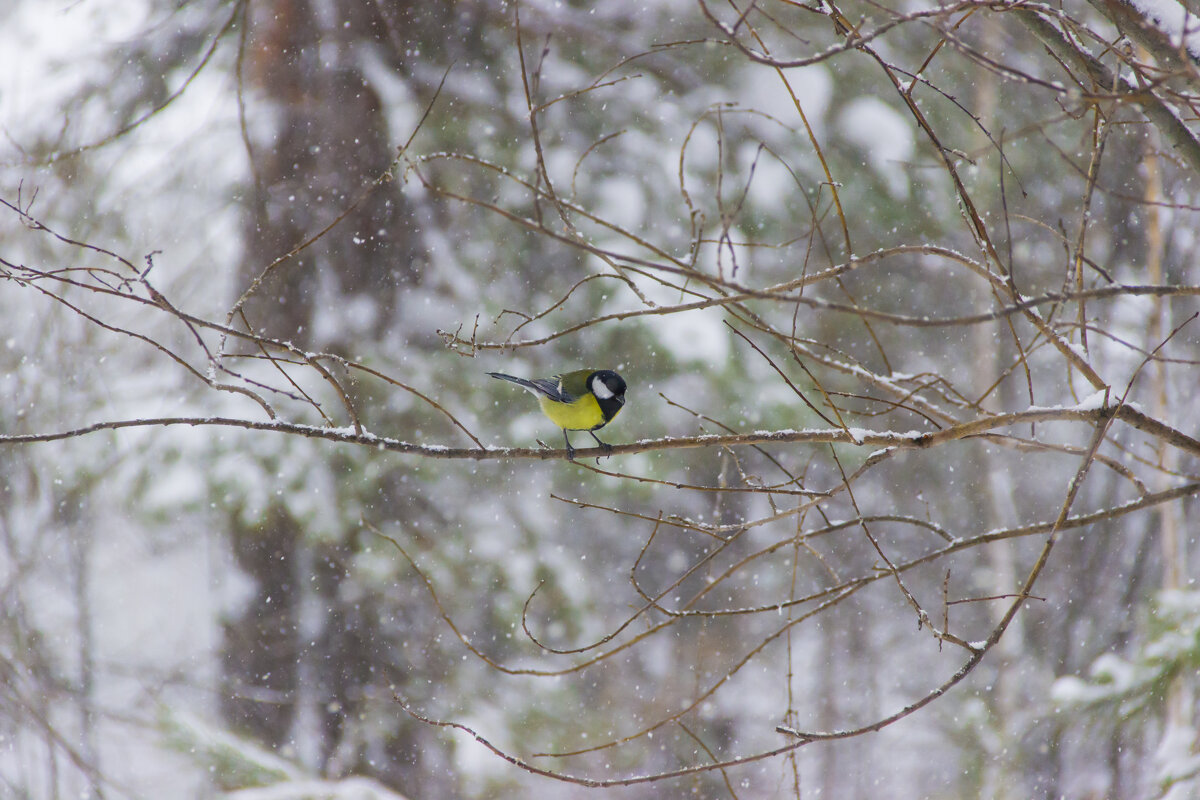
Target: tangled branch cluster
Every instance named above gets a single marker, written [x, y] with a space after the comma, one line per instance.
[1027, 358]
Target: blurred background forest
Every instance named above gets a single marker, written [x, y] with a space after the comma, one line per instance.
[904, 499]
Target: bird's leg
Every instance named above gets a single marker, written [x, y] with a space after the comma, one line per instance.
[570, 450]
[607, 447]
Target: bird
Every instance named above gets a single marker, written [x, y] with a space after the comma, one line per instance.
[583, 400]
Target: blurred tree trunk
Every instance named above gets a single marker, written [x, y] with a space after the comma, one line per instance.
[993, 350]
[325, 155]
[1178, 722]
[82, 565]
[298, 658]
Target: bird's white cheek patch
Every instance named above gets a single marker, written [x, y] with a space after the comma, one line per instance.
[601, 391]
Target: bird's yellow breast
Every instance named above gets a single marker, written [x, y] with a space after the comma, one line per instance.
[583, 414]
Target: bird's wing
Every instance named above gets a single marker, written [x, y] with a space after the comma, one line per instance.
[552, 388]
[574, 384]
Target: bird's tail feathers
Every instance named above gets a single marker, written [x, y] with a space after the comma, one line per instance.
[519, 381]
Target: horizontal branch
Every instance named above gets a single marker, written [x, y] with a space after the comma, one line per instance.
[850, 436]
[594, 783]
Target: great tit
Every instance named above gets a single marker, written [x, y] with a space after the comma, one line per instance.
[583, 400]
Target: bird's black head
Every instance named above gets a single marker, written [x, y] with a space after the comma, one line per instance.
[609, 389]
